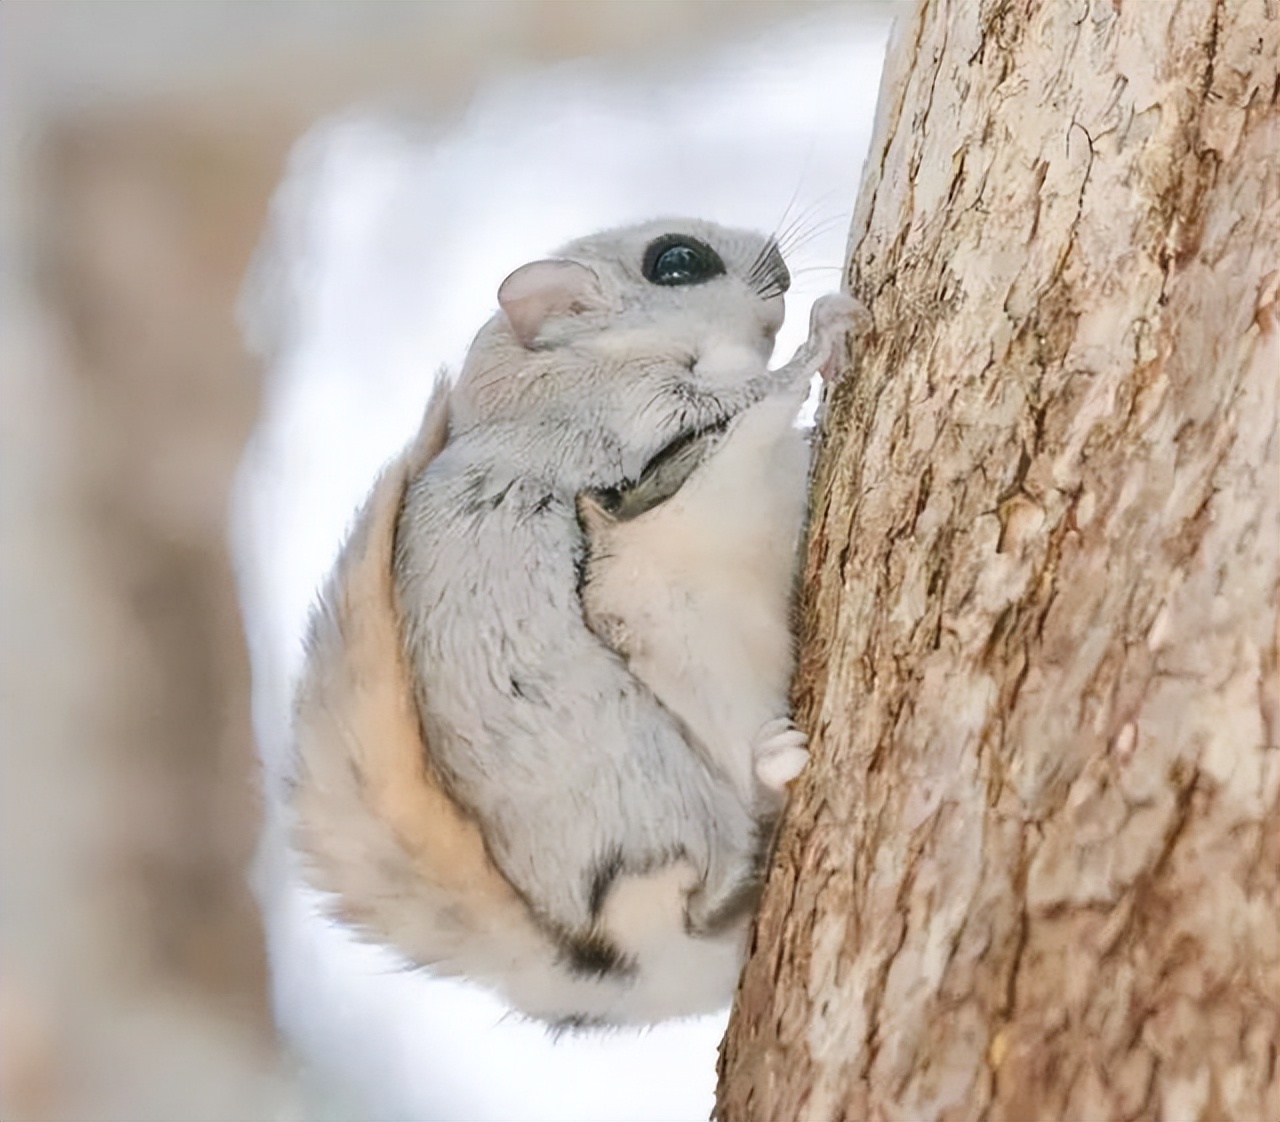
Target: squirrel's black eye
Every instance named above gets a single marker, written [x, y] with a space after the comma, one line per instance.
[679, 259]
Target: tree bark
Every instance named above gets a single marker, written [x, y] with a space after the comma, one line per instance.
[1032, 870]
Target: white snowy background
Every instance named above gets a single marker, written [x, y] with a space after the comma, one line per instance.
[387, 242]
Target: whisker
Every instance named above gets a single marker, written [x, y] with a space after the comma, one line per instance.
[795, 195]
[802, 235]
[796, 227]
[817, 269]
[787, 229]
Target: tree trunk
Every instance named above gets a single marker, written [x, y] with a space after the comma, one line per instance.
[1032, 869]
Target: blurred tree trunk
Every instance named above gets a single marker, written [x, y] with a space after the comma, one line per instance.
[1032, 870]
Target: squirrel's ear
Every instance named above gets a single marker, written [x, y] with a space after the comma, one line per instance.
[541, 289]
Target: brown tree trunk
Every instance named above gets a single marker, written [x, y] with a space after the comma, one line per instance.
[1032, 870]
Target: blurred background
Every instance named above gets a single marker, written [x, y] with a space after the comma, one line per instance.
[140, 143]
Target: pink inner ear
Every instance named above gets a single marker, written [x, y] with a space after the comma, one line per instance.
[541, 289]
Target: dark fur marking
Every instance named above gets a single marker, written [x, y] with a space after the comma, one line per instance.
[605, 872]
[575, 1025]
[738, 905]
[497, 500]
[593, 956]
[527, 690]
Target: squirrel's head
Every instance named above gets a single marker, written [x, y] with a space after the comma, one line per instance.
[683, 291]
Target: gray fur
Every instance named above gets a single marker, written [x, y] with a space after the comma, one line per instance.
[577, 774]
[538, 728]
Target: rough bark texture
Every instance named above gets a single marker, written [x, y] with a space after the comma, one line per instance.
[1032, 871]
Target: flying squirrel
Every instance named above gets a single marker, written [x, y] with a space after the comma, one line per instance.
[542, 734]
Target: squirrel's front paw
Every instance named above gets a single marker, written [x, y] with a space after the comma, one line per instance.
[833, 319]
[780, 752]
